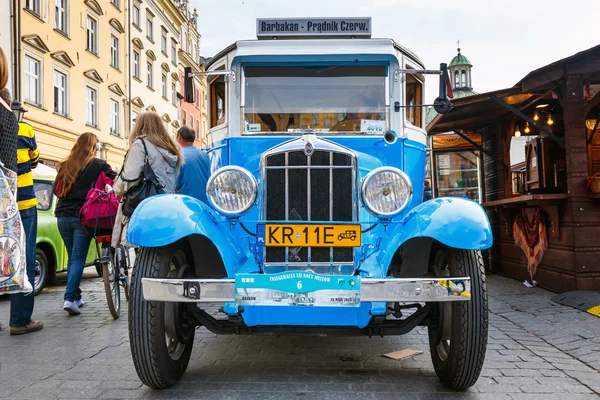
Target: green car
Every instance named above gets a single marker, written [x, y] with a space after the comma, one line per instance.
[51, 254]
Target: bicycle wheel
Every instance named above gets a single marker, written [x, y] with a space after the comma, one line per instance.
[110, 276]
[122, 257]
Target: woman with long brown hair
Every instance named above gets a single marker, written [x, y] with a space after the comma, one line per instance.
[77, 174]
[149, 140]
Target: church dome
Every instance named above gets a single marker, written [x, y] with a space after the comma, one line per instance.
[459, 70]
[460, 59]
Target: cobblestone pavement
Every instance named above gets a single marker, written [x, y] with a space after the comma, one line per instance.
[537, 350]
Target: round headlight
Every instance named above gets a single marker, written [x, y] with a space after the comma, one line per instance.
[386, 191]
[231, 190]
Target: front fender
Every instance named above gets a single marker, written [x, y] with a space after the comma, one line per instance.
[164, 219]
[455, 222]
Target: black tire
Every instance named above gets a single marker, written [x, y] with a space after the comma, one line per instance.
[110, 276]
[98, 269]
[42, 270]
[458, 351]
[153, 324]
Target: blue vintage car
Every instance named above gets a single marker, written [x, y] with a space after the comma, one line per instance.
[316, 223]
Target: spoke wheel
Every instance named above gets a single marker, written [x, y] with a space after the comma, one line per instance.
[160, 334]
[458, 330]
[122, 261]
[110, 276]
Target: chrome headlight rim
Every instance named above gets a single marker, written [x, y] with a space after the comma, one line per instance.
[243, 171]
[377, 171]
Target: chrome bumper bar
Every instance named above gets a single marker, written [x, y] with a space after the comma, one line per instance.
[371, 289]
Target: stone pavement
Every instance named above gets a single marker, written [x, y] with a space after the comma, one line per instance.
[537, 350]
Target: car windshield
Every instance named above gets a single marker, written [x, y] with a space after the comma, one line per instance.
[327, 99]
[43, 193]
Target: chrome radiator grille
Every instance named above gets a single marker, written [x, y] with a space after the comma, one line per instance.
[301, 188]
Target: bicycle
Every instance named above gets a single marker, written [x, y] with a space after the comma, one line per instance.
[115, 273]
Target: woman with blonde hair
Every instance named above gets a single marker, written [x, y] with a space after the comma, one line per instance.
[149, 142]
[77, 174]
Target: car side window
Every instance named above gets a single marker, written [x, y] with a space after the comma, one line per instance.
[43, 193]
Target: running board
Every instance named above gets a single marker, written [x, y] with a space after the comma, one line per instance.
[389, 290]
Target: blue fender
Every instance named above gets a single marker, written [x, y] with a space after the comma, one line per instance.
[455, 222]
[164, 219]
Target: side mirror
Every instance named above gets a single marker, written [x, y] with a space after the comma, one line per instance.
[188, 84]
[188, 80]
[442, 104]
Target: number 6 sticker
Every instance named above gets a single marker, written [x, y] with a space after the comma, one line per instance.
[299, 285]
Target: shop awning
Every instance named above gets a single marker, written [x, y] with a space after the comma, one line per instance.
[473, 113]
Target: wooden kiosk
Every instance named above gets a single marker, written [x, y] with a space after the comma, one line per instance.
[557, 194]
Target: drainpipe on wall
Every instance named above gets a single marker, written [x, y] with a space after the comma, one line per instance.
[128, 124]
[16, 47]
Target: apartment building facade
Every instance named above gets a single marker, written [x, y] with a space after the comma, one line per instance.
[73, 74]
[155, 80]
[194, 114]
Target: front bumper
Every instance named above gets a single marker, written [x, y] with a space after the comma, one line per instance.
[422, 290]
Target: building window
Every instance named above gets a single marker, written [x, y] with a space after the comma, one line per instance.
[463, 78]
[136, 15]
[91, 106]
[414, 97]
[114, 117]
[184, 122]
[150, 29]
[115, 3]
[92, 35]
[164, 86]
[136, 65]
[149, 74]
[174, 53]
[163, 41]
[60, 15]
[197, 129]
[217, 102]
[174, 94]
[114, 51]
[456, 79]
[32, 81]
[60, 93]
[133, 118]
[34, 6]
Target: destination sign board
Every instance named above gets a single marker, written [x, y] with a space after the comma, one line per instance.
[267, 28]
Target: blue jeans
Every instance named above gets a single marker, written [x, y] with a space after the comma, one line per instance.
[77, 243]
[21, 305]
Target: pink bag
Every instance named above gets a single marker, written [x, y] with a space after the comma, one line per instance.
[100, 208]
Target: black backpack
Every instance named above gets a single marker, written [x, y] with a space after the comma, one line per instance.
[148, 186]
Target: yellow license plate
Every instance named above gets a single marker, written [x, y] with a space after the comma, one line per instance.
[313, 235]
